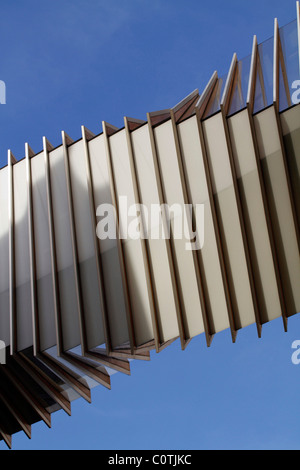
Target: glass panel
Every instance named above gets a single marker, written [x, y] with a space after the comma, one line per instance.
[264, 77]
[284, 92]
[289, 66]
[213, 105]
[290, 120]
[239, 92]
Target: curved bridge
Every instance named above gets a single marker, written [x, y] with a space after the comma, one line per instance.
[77, 305]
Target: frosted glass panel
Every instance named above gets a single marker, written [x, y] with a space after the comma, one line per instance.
[227, 211]
[254, 216]
[132, 248]
[289, 66]
[45, 300]
[290, 121]
[264, 76]
[66, 279]
[108, 248]
[239, 90]
[85, 246]
[211, 270]
[280, 207]
[167, 156]
[167, 316]
[22, 262]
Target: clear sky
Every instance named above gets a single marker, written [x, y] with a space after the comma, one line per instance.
[68, 63]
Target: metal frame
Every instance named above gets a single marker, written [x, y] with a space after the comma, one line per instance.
[254, 68]
[58, 322]
[66, 140]
[38, 366]
[283, 156]
[262, 81]
[67, 375]
[250, 105]
[144, 243]
[184, 340]
[225, 100]
[288, 178]
[206, 95]
[106, 357]
[89, 368]
[200, 111]
[284, 75]
[134, 123]
[158, 117]
[183, 178]
[121, 364]
[59, 337]
[40, 410]
[239, 85]
[252, 76]
[268, 222]
[86, 136]
[35, 321]
[276, 66]
[277, 47]
[224, 109]
[6, 437]
[109, 130]
[52, 391]
[12, 287]
[185, 106]
[136, 352]
[11, 407]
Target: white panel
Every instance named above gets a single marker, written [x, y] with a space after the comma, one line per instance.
[4, 257]
[64, 257]
[108, 247]
[132, 248]
[256, 225]
[45, 300]
[167, 155]
[85, 247]
[193, 160]
[158, 251]
[22, 261]
[290, 121]
[280, 207]
[229, 219]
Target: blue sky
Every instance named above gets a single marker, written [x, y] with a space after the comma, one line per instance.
[80, 62]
